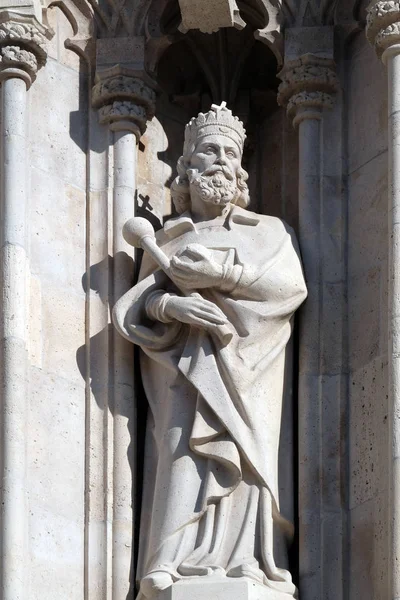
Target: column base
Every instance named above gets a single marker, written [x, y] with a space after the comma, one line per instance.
[224, 588]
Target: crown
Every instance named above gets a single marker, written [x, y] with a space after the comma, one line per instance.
[219, 121]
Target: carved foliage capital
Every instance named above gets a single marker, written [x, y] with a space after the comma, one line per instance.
[383, 24]
[16, 57]
[122, 98]
[307, 82]
[22, 45]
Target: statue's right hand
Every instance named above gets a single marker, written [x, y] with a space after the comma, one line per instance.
[194, 310]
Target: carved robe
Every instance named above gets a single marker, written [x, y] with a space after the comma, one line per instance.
[211, 501]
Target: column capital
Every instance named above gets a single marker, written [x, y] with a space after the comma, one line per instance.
[309, 84]
[22, 45]
[124, 101]
[383, 25]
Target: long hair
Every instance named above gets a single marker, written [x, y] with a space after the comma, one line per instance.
[180, 190]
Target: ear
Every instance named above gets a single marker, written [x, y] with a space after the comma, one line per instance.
[244, 198]
[182, 167]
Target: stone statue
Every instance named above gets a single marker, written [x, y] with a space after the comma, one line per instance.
[213, 324]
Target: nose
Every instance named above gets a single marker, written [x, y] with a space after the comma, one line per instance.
[221, 157]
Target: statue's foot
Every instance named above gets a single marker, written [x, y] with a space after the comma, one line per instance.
[155, 582]
[247, 570]
[216, 572]
[188, 570]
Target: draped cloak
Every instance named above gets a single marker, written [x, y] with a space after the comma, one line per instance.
[210, 497]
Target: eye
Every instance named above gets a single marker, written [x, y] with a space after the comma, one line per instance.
[231, 154]
[209, 150]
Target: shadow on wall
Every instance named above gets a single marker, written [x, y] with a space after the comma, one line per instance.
[95, 363]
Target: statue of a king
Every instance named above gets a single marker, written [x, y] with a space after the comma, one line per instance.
[210, 498]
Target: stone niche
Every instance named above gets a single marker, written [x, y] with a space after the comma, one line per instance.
[196, 70]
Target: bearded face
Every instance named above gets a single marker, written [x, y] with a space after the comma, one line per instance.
[216, 185]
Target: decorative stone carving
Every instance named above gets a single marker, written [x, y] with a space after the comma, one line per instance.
[123, 111]
[23, 32]
[14, 56]
[271, 34]
[383, 24]
[123, 99]
[308, 82]
[122, 86]
[212, 313]
[119, 19]
[210, 16]
[22, 45]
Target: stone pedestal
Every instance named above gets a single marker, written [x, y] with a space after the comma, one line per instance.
[226, 588]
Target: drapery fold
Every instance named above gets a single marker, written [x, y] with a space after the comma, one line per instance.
[211, 498]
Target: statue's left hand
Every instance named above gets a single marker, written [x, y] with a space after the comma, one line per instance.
[195, 268]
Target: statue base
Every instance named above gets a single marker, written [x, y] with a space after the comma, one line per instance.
[227, 588]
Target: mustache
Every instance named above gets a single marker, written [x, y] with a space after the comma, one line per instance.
[219, 169]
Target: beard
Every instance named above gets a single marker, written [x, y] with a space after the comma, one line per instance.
[217, 185]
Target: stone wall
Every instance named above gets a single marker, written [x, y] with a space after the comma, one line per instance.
[57, 228]
[70, 352]
[366, 166]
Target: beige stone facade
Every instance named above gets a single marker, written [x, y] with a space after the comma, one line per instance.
[94, 100]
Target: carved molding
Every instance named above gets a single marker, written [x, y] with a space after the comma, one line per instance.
[124, 87]
[118, 19]
[307, 13]
[271, 34]
[22, 45]
[126, 112]
[123, 101]
[383, 24]
[270, 16]
[14, 56]
[81, 18]
[308, 83]
[210, 16]
[18, 30]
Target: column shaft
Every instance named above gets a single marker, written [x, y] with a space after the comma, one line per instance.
[383, 32]
[309, 83]
[393, 64]
[13, 267]
[309, 407]
[125, 104]
[124, 401]
[98, 458]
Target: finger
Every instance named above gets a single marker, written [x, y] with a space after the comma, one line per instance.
[203, 324]
[210, 318]
[182, 269]
[175, 261]
[199, 322]
[214, 311]
[209, 306]
[196, 252]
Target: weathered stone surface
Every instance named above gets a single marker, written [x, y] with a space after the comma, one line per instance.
[371, 141]
[370, 530]
[56, 485]
[370, 418]
[210, 17]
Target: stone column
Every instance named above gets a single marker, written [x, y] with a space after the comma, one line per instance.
[125, 104]
[383, 32]
[308, 85]
[22, 40]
